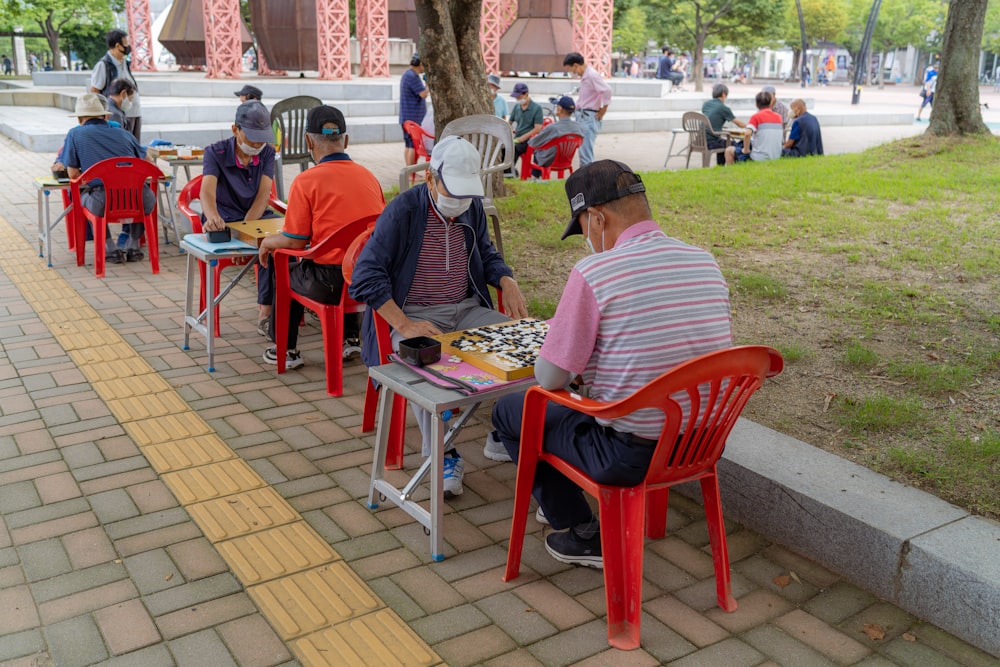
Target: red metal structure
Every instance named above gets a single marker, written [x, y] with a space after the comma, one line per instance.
[223, 48]
[592, 22]
[372, 24]
[333, 30]
[263, 69]
[491, 29]
[140, 39]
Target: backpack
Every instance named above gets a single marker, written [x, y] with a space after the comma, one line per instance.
[112, 74]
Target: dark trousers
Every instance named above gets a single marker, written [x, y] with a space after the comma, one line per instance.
[519, 150]
[319, 282]
[134, 126]
[606, 455]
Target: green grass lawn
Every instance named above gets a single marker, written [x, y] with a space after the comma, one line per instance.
[876, 274]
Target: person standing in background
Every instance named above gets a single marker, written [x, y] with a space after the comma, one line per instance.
[592, 103]
[412, 104]
[114, 65]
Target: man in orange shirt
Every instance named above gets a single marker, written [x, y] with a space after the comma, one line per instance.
[322, 200]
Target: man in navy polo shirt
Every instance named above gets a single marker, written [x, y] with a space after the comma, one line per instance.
[412, 104]
[87, 144]
[236, 183]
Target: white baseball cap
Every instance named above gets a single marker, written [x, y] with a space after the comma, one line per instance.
[457, 164]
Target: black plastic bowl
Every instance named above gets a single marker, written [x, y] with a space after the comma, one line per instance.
[420, 351]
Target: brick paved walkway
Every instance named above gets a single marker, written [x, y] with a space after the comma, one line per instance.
[115, 550]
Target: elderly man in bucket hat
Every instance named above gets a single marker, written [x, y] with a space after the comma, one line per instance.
[638, 305]
[428, 266]
[87, 144]
[236, 183]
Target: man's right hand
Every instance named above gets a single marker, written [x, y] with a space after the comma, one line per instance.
[415, 328]
[214, 223]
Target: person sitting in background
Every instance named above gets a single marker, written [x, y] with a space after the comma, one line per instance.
[87, 144]
[499, 103]
[236, 184]
[526, 121]
[322, 199]
[120, 100]
[805, 137]
[777, 106]
[718, 114]
[564, 125]
[763, 142]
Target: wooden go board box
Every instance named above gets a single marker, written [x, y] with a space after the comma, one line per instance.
[507, 350]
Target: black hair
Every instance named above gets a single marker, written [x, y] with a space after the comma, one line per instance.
[415, 60]
[666, 49]
[572, 58]
[763, 100]
[119, 85]
[115, 36]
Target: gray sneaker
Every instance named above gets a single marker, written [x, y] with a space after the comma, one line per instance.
[494, 449]
[568, 547]
[352, 346]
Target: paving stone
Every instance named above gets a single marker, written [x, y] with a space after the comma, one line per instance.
[475, 647]
[297, 487]
[152, 497]
[44, 559]
[319, 499]
[685, 621]
[153, 656]
[110, 468]
[53, 528]
[114, 505]
[836, 645]
[191, 594]
[840, 601]
[87, 600]
[573, 645]
[449, 623]
[78, 580]
[953, 647]
[396, 598]
[45, 513]
[88, 547]
[205, 615]
[156, 539]
[19, 611]
[763, 572]
[510, 613]
[75, 642]
[126, 627]
[730, 652]
[81, 456]
[703, 595]
[893, 620]
[19, 644]
[267, 471]
[8, 556]
[153, 571]
[196, 559]
[18, 496]
[253, 642]
[54, 488]
[783, 649]
[29, 460]
[553, 604]
[200, 649]
[32, 472]
[146, 523]
[754, 608]
[915, 653]
[119, 481]
[325, 526]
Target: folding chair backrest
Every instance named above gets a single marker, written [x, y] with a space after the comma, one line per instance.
[696, 123]
[123, 179]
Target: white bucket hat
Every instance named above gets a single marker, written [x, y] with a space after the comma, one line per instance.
[89, 105]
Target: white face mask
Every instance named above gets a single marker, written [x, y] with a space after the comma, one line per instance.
[251, 150]
[126, 104]
[451, 207]
[588, 242]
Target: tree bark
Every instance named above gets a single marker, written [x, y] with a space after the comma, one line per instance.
[956, 98]
[802, 33]
[452, 57]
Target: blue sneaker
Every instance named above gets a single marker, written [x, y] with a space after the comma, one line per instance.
[454, 469]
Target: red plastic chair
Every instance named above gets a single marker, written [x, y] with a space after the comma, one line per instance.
[417, 136]
[397, 429]
[188, 194]
[331, 316]
[685, 452]
[565, 146]
[123, 179]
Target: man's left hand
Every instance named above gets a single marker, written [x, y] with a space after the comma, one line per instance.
[514, 304]
[264, 254]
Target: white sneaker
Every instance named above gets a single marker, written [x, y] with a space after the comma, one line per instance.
[494, 449]
[454, 470]
[540, 517]
[352, 346]
[292, 358]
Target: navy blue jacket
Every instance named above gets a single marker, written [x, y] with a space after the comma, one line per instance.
[386, 267]
[807, 136]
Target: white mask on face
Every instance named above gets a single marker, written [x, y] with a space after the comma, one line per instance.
[251, 150]
[450, 207]
[586, 237]
[126, 104]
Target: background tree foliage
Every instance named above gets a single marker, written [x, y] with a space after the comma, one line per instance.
[52, 17]
[630, 34]
[900, 23]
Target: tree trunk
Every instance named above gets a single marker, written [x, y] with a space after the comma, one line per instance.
[802, 34]
[452, 56]
[52, 36]
[956, 98]
[697, 60]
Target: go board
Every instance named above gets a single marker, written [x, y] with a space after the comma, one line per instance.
[507, 350]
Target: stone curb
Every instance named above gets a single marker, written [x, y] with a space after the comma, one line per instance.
[913, 549]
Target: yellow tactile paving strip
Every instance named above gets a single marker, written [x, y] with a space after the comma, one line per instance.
[300, 583]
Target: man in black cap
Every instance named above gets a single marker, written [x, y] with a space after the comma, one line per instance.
[563, 126]
[333, 193]
[249, 92]
[641, 304]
